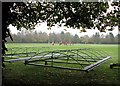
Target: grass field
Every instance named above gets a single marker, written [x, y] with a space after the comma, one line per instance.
[19, 74]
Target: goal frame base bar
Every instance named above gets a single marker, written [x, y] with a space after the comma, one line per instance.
[92, 66]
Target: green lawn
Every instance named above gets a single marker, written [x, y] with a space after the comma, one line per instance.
[19, 74]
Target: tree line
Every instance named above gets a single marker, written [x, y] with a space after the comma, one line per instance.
[42, 37]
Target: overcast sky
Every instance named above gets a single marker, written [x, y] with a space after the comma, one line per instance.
[43, 28]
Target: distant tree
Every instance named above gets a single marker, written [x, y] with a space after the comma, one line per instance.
[85, 39]
[45, 37]
[117, 38]
[111, 38]
[76, 39]
[96, 38]
[102, 39]
[67, 37]
[52, 37]
[62, 34]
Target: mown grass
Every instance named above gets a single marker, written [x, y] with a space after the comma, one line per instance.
[19, 74]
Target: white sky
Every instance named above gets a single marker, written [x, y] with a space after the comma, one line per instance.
[56, 29]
